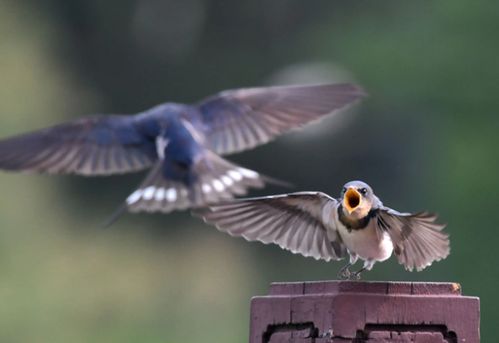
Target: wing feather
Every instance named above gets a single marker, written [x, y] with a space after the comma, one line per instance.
[240, 119]
[98, 145]
[292, 221]
[418, 239]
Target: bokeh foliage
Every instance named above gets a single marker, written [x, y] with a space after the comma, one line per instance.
[426, 138]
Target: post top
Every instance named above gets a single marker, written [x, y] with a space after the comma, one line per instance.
[371, 287]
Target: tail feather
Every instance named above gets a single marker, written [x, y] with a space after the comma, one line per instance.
[215, 180]
[273, 181]
[113, 218]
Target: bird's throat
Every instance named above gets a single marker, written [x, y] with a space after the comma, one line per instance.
[352, 223]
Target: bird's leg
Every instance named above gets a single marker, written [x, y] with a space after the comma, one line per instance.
[345, 273]
[368, 265]
[356, 275]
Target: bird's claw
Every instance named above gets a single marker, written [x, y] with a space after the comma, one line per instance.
[355, 275]
[345, 273]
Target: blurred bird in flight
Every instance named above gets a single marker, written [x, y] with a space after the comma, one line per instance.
[181, 144]
[356, 225]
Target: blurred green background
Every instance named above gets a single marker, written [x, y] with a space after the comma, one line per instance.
[426, 138]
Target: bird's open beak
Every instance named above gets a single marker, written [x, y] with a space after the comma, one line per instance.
[351, 200]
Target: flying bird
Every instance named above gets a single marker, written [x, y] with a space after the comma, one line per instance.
[314, 224]
[181, 144]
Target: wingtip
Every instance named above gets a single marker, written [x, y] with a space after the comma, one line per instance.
[339, 87]
[343, 87]
[277, 182]
[361, 91]
[200, 213]
[347, 88]
[354, 89]
[114, 217]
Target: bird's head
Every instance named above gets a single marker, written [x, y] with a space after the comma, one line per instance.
[357, 199]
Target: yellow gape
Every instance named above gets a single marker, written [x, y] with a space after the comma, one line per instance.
[351, 200]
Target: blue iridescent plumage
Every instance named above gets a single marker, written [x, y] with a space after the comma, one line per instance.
[182, 144]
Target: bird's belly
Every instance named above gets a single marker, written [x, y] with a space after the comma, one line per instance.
[367, 244]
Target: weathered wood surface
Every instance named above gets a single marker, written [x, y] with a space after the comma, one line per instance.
[355, 311]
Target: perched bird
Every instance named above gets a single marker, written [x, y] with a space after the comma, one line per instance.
[181, 143]
[314, 224]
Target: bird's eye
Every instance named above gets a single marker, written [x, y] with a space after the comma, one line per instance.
[363, 191]
[344, 190]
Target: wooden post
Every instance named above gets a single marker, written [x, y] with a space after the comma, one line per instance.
[356, 311]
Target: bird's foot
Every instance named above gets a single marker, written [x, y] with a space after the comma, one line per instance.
[356, 275]
[345, 273]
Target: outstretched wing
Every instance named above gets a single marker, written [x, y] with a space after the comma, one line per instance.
[98, 145]
[237, 120]
[292, 221]
[417, 239]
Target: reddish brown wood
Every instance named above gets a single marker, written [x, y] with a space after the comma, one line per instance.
[355, 311]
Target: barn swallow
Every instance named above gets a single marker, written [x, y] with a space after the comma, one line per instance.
[181, 144]
[314, 224]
